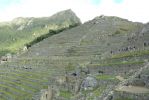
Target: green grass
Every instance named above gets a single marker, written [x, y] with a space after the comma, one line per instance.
[26, 87]
[26, 81]
[3, 52]
[9, 45]
[117, 32]
[124, 99]
[15, 84]
[22, 82]
[66, 94]
[11, 89]
[105, 77]
[96, 92]
[7, 95]
[69, 67]
[131, 54]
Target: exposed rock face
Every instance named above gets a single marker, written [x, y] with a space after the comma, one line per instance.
[89, 83]
[65, 18]
[25, 48]
[21, 27]
[145, 29]
[67, 15]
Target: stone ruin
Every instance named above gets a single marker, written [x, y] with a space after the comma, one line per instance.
[6, 58]
[124, 49]
[46, 94]
[146, 43]
[73, 82]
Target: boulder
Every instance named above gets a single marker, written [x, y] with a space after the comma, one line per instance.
[4, 58]
[25, 48]
[89, 83]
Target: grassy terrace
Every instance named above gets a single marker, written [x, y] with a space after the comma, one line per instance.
[22, 84]
[66, 94]
[119, 63]
[131, 54]
[95, 92]
[105, 77]
[23, 88]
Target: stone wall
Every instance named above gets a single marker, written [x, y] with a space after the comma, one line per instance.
[46, 94]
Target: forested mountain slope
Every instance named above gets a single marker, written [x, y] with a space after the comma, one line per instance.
[16, 34]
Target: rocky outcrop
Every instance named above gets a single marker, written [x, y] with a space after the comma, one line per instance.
[89, 83]
[65, 18]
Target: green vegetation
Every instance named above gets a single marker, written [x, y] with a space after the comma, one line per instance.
[124, 99]
[69, 67]
[66, 94]
[3, 52]
[11, 43]
[105, 77]
[95, 93]
[12, 40]
[21, 84]
[50, 33]
[117, 32]
[19, 32]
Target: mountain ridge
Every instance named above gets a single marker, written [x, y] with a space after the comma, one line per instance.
[20, 31]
